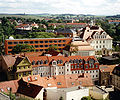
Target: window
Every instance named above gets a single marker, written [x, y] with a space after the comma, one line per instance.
[59, 41]
[96, 46]
[41, 41]
[96, 66]
[10, 47]
[33, 63]
[50, 41]
[58, 83]
[100, 46]
[64, 40]
[41, 46]
[15, 42]
[26, 42]
[103, 41]
[46, 41]
[36, 46]
[72, 66]
[31, 42]
[1, 90]
[96, 41]
[100, 41]
[72, 83]
[9, 42]
[63, 44]
[41, 49]
[41, 62]
[29, 73]
[45, 61]
[20, 42]
[59, 44]
[19, 74]
[24, 73]
[46, 45]
[75, 66]
[8, 88]
[86, 66]
[55, 41]
[81, 66]
[103, 46]
[36, 42]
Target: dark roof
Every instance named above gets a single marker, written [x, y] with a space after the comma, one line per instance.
[18, 60]
[28, 89]
[110, 58]
[116, 70]
[67, 30]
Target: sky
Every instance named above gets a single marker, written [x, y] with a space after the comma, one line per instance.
[95, 7]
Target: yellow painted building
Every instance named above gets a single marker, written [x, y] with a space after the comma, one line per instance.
[22, 67]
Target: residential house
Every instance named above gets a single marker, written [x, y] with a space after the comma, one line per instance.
[98, 39]
[29, 90]
[15, 66]
[66, 32]
[116, 78]
[81, 47]
[105, 77]
[60, 65]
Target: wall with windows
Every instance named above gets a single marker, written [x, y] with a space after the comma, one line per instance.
[39, 44]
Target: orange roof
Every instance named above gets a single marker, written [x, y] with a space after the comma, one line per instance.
[61, 81]
[107, 68]
[9, 60]
[76, 24]
[114, 20]
[56, 58]
[9, 84]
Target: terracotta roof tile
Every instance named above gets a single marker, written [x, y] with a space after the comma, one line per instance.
[9, 84]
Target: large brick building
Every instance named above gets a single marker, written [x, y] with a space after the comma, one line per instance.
[40, 44]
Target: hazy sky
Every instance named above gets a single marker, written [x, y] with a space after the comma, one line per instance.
[97, 7]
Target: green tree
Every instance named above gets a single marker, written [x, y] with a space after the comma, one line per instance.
[86, 98]
[22, 48]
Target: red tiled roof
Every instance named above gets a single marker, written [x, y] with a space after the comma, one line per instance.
[114, 20]
[76, 24]
[62, 81]
[9, 84]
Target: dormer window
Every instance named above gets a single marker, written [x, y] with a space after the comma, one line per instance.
[2, 90]
[28, 78]
[58, 83]
[54, 62]
[80, 60]
[46, 61]
[33, 63]
[38, 62]
[57, 61]
[8, 88]
[61, 61]
[41, 62]
[70, 61]
[72, 83]
[35, 78]
[77, 61]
